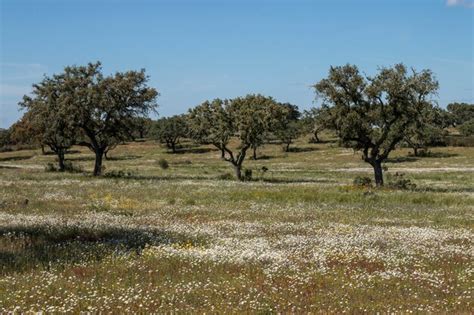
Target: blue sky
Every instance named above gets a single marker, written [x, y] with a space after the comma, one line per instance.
[198, 50]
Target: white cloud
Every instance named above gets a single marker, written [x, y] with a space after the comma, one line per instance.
[464, 3]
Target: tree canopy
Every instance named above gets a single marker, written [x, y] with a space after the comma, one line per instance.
[372, 114]
[169, 130]
[247, 118]
[47, 116]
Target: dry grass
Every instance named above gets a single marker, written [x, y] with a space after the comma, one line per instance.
[300, 238]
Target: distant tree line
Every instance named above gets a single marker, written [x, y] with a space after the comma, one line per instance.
[373, 115]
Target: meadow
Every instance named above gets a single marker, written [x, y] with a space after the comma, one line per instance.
[299, 237]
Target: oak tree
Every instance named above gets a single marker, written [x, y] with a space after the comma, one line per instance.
[372, 114]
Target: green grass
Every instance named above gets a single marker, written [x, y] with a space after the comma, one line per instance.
[299, 238]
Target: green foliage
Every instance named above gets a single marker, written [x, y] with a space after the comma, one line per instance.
[119, 174]
[225, 176]
[169, 130]
[461, 113]
[373, 114]
[68, 167]
[467, 128]
[362, 181]
[163, 164]
[426, 130]
[398, 181]
[249, 118]
[103, 108]
[287, 127]
[247, 174]
[314, 121]
[50, 167]
[5, 138]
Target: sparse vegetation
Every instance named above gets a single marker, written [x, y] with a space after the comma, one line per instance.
[303, 239]
[311, 235]
[163, 163]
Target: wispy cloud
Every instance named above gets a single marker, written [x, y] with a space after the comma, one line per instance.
[462, 3]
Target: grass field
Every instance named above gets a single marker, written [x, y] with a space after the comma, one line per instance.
[299, 238]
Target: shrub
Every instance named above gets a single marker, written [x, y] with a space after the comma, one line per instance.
[400, 182]
[70, 167]
[247, 175]
[225, 176]
[50, 167]
[163, 163]
[467, 129]
[119, 174]
[362, 181]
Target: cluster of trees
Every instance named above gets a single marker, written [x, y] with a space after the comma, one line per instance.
[372, 115]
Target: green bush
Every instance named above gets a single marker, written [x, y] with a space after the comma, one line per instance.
[398, 181]
[362, 181]
[467, 129]
[119, 174]
[50, 167]
[163, 164]
[247, 174]
[225, 176]
[70, 167]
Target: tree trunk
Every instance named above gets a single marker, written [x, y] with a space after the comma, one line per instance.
[255, 153]
[378, 173]
[61, 160]
[415, 151]
[222, 154]
[287, 148]
[238, 172]
[316, 138]
[43, 152]
[98, 162]
[173, 147]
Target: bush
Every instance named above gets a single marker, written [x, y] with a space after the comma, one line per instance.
[163, 163]
[225, 176]
[119, 174]
[362, 181]
[400, 182]
[70, 167]
[50, 167]
[467, 129]
[247, 174]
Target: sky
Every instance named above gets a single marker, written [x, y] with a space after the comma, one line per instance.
[200, 50]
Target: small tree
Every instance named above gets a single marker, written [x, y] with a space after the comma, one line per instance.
[372, 114]
[144, 125]
[106, 109]
[315, 121]
[427, 130]
[461, 112]
[47, 120]
[169, 130]
[210, 123]
[245, 117]
[287, 127]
